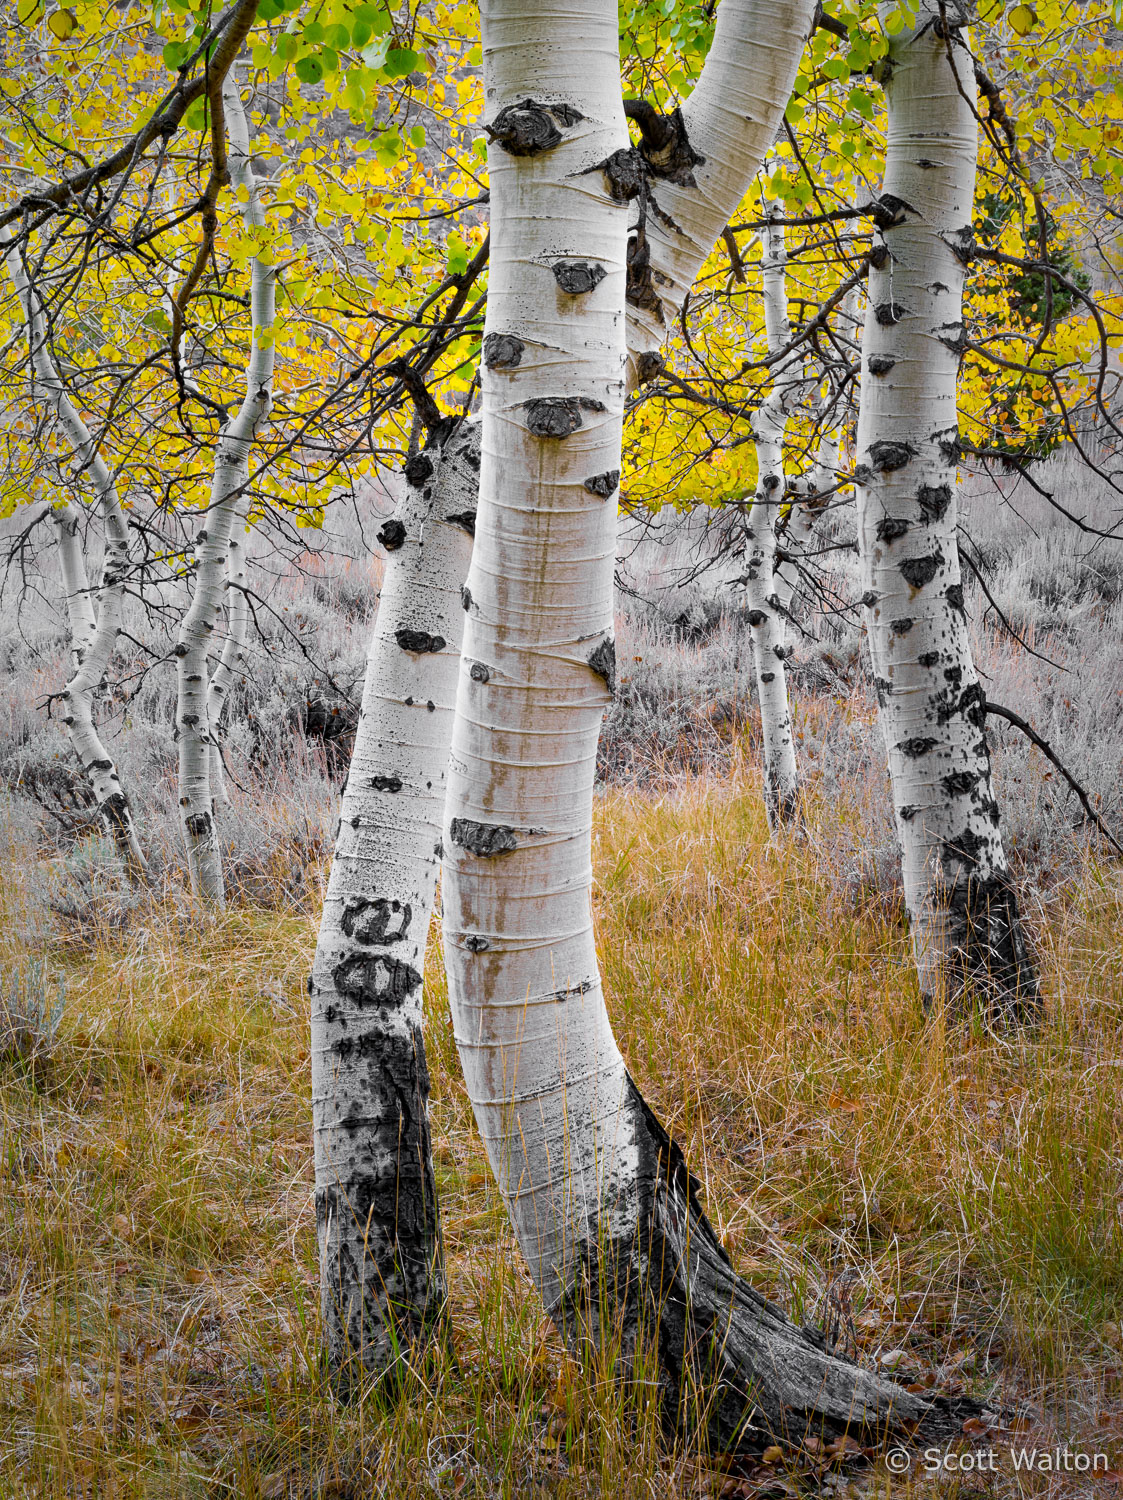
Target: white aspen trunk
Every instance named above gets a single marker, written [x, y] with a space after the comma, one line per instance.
[382, 1281]
[811, 497]
[193, 726]
[605, 1210]
[730, 119]
[94, 630]
[962, 909]
[233, 655]
[766, 617]
[717, 144]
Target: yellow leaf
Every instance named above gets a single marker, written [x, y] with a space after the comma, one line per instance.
[1023, 18]
[63, 23]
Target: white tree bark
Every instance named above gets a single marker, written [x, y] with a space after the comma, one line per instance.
[962, 908]
[232, 658]
[231, 466]
[605, 1210]
[766, 615]
[714, 149]
[730, 120]
[381, 1274]
[94, 630]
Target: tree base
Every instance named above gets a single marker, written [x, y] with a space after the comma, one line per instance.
[733, 1371]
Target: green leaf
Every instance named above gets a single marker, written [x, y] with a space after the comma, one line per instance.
[401, 61]
[175, 54]
[417, 136]
[309, 69]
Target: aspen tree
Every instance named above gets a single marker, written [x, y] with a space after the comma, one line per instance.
[696, 165]
[95, 622]
[605, 1209]
[962, 908]
[231, 467]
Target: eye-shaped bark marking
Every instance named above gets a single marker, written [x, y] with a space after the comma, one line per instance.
[465, 519]
[503, 351]
[890, 528]
[420, 642]
[557, 416]
[478, 672]
[768, 677]
[956, 783]
[928, 658]
[949, 444]
[375, 979]
[418, 469]
[908, 812]
[889, 211]
[882, 687]
[483, 839]
[376, 923]
[888, 456]
[889, 313]
[902, 626]
[386, 783]
[603, 484]
[198, 825]
[626, 173]
[917, 747]
[392, 534]
[602, 659]
[869, 598]
[880, 364]
[954, 596]
[477, 943]
[578, 276]
[934, 500]
[581, 988]
[529, 128]
[918, 571]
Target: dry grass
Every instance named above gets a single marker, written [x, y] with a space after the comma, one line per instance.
[957, 1192]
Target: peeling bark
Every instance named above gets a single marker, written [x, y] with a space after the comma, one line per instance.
[962, 908]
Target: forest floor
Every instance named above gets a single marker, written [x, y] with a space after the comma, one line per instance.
[949, 1197]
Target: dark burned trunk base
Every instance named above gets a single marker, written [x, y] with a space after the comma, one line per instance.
[379, 1231]
[991, 956]
[734, 1373]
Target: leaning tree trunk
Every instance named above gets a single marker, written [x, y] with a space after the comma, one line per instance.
[605, 1210]
[382, 1281]
[94, 630]
[766, 616]
[731, 115]
[966, 931]
[193, 727]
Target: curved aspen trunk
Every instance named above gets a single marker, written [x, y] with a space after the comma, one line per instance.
[193, 726]
[381, 1275]
[94, 630]
[606, 1212]
[766, 616]
[735, 127]
[233, 655]
[964, 918]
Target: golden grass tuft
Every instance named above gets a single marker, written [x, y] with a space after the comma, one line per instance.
[949, 1199]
